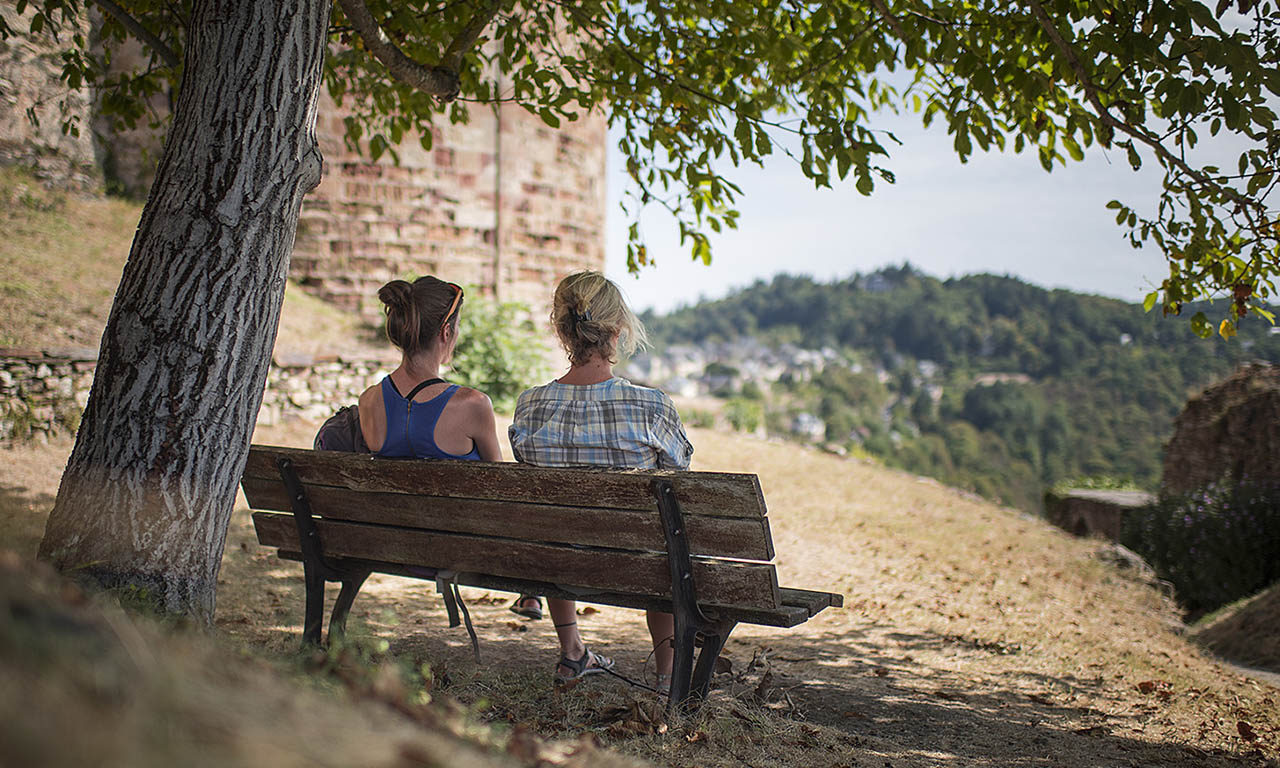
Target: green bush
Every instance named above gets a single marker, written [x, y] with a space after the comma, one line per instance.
[698, 417]
[745, 415]
[499, 351]
[1215, 545]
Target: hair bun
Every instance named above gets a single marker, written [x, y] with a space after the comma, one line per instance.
[396, 294]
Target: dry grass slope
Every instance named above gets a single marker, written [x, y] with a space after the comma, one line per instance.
[1247, 631]
[60, 262]
[975, 636]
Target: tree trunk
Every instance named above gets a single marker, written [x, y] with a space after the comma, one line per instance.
[148, 491]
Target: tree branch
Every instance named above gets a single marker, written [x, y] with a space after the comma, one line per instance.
[440, 81]
[1091, 95]
[142, 33]
[880, 6]
[467, 38]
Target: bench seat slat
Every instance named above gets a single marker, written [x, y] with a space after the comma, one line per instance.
[715, 494]
[720, 582]
[786, 616]
[739, 538]
[813, 602]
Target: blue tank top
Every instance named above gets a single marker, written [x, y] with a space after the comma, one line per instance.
[411, 426]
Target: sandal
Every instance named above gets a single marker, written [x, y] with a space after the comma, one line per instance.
[529, 612]
[591, 663]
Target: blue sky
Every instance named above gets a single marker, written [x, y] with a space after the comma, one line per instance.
[998, 213]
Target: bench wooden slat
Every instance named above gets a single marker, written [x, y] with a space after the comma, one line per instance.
[720, 582]
[785, 616]
[741, 538]
[813, 602]
[714, 494]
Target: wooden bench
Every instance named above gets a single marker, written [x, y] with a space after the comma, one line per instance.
[695, 544]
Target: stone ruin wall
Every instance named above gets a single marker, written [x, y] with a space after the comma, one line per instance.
[44, 392]
[31, 84]
[503, 203]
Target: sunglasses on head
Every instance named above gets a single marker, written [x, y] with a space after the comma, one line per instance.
[457, 298]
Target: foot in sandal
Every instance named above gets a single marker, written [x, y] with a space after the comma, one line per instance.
[591, 663]
[527, 606]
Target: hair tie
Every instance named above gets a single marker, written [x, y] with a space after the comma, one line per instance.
[582, 317]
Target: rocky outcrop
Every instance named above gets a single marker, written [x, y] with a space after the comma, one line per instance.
[1232, 429]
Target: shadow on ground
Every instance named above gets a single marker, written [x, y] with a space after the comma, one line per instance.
[899, 697]
[22, 516]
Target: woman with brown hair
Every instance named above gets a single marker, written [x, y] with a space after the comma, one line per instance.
[589, 417]
[413, 413]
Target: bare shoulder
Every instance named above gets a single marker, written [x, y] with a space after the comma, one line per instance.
[371, 397]
[472, 399]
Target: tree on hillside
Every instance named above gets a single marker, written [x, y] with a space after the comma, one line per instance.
[692, 87]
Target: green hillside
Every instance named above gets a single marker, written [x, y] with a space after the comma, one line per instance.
[984, 382]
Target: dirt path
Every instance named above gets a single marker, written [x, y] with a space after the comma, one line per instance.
[972, 636]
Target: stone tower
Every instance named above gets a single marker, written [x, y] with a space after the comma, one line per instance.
[503, 203]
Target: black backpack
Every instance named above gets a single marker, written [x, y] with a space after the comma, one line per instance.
[341, 432]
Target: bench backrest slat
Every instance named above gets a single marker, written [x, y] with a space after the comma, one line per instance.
[741, 538]
[720, 582]
[713, 494]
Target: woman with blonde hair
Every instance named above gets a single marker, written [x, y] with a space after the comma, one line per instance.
[413, 413]
[589, 417]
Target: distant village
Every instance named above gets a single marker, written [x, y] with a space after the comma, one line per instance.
[692, 373]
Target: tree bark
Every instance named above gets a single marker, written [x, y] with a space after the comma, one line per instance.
[147, 494]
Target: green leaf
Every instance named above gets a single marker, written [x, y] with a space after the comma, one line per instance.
[865, 183]
[1150, 301]
[701, 250]
[1201, 326]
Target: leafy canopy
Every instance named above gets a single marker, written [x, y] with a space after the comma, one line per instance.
[697, 88]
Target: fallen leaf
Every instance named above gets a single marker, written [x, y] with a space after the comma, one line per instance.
[516, 626]
[766, 682]
[524, 745]
[587, 610]
[695, 737]
[723, 665]
[1150, 686]
[881, 672]
[1246, 731]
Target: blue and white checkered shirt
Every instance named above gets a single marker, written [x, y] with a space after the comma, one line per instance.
[611, 424]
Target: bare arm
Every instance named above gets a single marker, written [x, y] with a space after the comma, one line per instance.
[484, 428]
[373, 418]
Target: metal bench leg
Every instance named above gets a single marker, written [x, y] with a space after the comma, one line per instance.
[338, 619]
[682, 664]
[712, 645]
[314, 618]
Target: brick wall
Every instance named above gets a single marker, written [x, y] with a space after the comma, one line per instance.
[503, 203]
[31, 83]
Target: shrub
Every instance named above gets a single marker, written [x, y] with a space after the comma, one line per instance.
[499, 351]
[698, 417]
[745, 415]
[1215, 545]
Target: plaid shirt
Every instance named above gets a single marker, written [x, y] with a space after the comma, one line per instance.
[611, 424]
